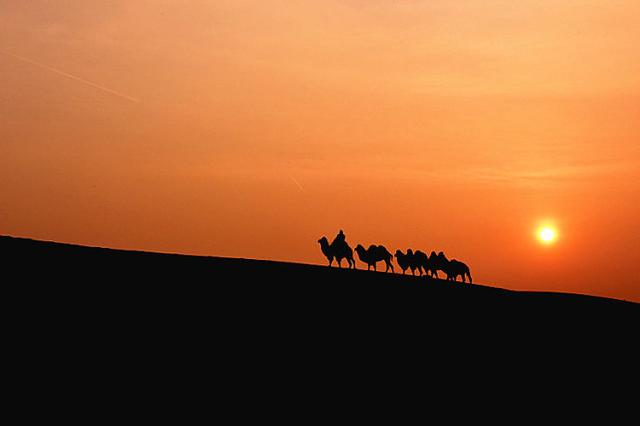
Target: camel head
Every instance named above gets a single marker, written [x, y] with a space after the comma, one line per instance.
[360, 248]
[323, 241]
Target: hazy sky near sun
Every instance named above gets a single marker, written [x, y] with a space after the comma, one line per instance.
[251, 128]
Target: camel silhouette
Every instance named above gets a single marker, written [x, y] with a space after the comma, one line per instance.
[452, 268]
[456, 268]
[438, 262]
[339, 250]
[404, 260]
[422, 263]
[418, 261]
[430, 265]
[373, 255]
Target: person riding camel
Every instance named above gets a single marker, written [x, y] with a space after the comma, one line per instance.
[339, 239]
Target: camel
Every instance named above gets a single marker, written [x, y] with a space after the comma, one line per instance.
[373, 255]
[456, 268]
[452, 268]
[338, 250]
[403, 260]
[438, 262]
[409, 261]
[422, 263]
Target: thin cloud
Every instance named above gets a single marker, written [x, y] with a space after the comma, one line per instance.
[551, 174]
[297, 183]
[71, 76]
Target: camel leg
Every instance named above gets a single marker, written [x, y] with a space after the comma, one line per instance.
[340, 263]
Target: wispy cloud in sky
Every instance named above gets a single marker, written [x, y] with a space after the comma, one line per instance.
[71, 76]
[297, 183]
[529, 176]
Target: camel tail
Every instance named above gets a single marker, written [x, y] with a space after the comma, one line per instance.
[469, 275]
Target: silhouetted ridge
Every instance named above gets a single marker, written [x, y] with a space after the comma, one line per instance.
[258, 288]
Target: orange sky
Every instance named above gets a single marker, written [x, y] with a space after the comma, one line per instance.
[251, 128]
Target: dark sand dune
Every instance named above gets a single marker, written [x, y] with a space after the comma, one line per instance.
[122, 276]
[243, 321]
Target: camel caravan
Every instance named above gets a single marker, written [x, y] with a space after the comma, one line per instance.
[418, 262]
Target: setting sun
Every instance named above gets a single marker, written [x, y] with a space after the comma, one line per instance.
[547, 235]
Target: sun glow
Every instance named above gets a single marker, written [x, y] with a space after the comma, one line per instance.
[547, 234]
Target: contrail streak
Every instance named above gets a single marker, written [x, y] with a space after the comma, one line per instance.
[297, 183]
[71, 76]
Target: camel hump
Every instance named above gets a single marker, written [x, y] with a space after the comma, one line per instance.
[458, 266]
[422, 256]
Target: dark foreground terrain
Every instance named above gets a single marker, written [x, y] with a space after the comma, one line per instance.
[236, 325]
[173, 282]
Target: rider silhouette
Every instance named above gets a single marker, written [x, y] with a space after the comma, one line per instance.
[339, 239]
